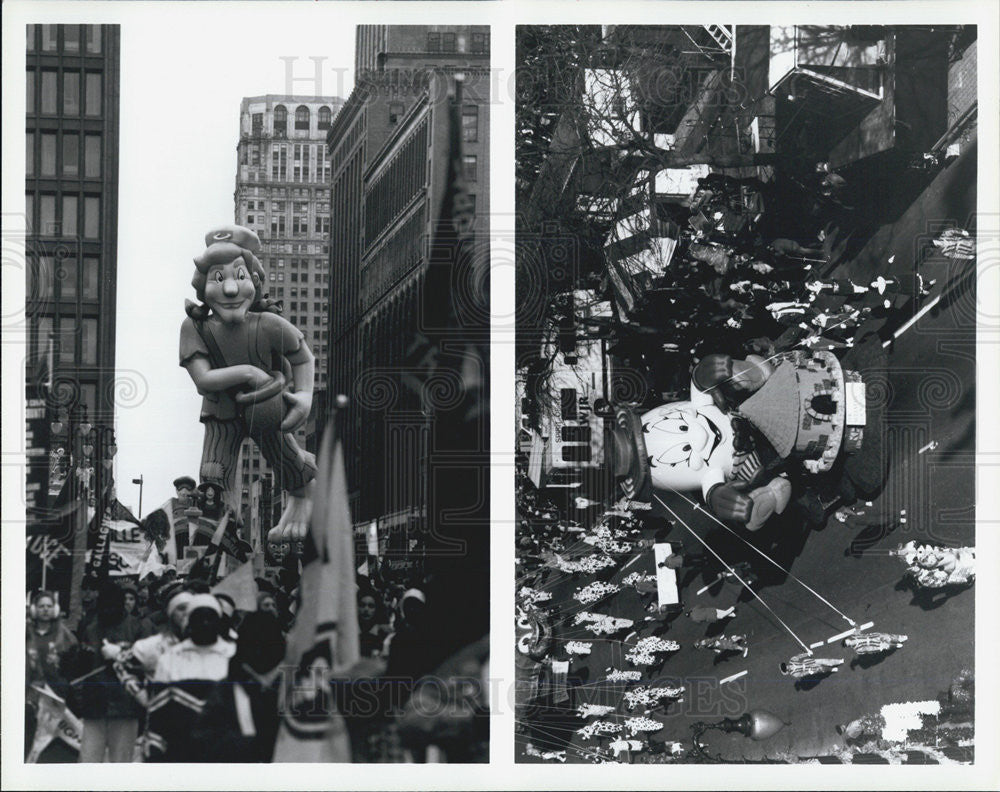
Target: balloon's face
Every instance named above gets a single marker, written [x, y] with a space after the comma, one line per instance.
[278, 550]
[229, 290]
[684, 442]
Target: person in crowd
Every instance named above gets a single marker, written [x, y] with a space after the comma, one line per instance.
[872, 643]
[240, 720]
[136, 666]
[372, 622]
[707, 614]
[267, 603]
[725, 644]
[47, 641]
[131, 601]
[407, 651]
[184, 678]
[110, 715]
[804, 665]
[143, 608]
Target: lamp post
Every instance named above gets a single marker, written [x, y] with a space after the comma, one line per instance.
[80, 480]
[757, 725]
[139, 482]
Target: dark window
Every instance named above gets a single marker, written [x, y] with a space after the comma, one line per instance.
[94, 39]
[448, 42]
[71, 154]
[48, 38]
[576, 453]
[469, 167]
[280, 120]
[49, 98]
[324, 117]
[92, 156]
[48, 166]
[71, 93]
[480, 42]
[93, 94]
[91, 217]
[71, 38]
[302, 117]
[433, 42]
[567, 401]
[575, 434]
[470, 123]
[257, 124]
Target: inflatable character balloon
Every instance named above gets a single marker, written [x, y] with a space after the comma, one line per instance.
[747, 426]
[253, 369]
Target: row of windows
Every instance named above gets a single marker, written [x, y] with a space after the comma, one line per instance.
[73, 340]
[447, 42]
[404, 177]
[59, 92]
[72, 36]
[64, 215]
[60, 154]
[302, 120]
[63, 278]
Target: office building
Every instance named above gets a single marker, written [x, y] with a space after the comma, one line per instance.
[71, 240]
[387, 150]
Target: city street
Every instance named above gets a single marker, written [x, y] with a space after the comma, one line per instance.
[929, 497]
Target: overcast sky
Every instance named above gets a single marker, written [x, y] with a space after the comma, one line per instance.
[180, 102]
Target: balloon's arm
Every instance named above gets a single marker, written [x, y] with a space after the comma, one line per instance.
[303, 368]
[211, 380]
[711, 477]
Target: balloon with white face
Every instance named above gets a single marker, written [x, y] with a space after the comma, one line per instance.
[687, 444]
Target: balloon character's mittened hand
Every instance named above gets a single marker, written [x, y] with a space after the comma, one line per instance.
[728, 502]
[299, 405]
[768, 500]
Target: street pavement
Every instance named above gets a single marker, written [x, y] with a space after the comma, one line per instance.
[930, 396]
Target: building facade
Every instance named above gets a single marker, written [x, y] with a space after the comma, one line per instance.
[71, 240]
[387, 151]
[282, 193]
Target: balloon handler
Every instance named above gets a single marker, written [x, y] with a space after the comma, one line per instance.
[755, 431]
[253, 370]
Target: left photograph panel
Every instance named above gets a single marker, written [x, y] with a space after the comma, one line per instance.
[256, 383]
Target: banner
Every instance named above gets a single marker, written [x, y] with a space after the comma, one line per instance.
[55, 721]
[128, 547]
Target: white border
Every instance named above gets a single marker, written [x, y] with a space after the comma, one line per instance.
[501, 773]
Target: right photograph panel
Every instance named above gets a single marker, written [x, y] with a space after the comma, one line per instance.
[746, 393]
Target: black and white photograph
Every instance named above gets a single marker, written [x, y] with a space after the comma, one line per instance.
[239, 552]
[746, 379]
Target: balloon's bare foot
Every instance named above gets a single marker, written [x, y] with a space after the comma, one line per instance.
[294, 522]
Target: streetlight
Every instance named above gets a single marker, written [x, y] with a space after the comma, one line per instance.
[757, 724]
[139, 482]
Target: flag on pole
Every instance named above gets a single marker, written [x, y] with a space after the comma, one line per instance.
[55, 721]
[452, 345]
[324, 639]
[241, 586]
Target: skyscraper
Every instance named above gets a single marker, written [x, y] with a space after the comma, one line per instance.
[71, 241]
[282, 183]
[387, 151]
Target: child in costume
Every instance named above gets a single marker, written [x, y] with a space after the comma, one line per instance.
[253, 369]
